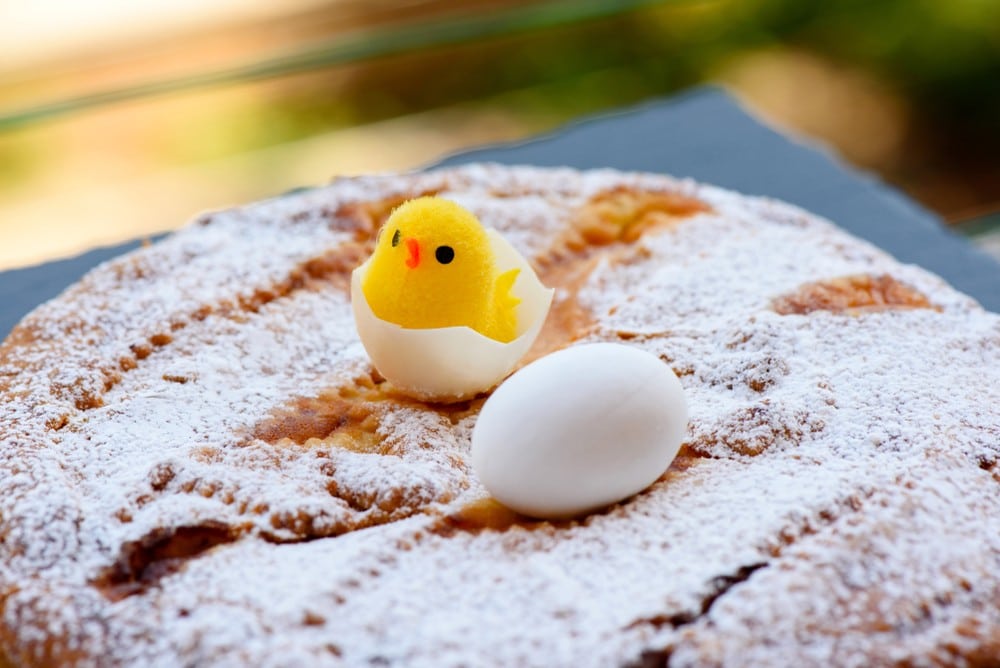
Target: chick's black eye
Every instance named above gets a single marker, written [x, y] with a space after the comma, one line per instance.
[444, 254]
[395, 238]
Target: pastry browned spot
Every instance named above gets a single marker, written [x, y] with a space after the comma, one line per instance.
[144, 561]
[854, 295]
[485, 514]
[348, 415]
[625, 213]
[57, 423]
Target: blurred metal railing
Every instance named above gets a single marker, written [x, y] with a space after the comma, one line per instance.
[364, 45]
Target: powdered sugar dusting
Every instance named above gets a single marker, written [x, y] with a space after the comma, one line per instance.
[838, 502]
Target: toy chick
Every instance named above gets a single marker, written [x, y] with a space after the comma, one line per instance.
[433, 266]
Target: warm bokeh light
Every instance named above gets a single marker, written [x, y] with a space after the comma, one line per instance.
[42, 31]
[907, 90]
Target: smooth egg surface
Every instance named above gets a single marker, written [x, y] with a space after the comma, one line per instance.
[579, 429]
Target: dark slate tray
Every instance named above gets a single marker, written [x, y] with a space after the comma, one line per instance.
[703, 134]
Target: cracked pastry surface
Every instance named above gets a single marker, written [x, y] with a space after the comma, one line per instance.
[199, 465]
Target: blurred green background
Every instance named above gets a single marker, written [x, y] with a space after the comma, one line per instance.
[119, 120]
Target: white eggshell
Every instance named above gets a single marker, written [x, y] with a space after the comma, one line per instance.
[579, 429]
[452, 363]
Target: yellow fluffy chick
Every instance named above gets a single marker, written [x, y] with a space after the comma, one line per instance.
[433, 266]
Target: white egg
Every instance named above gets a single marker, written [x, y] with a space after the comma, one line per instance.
[579, 429]
[452, 363]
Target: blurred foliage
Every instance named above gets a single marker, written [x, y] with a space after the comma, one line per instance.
[943, 57]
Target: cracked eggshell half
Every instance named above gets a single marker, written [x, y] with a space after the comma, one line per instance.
[452, 363]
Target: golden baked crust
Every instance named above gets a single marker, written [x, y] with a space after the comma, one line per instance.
[199, 465]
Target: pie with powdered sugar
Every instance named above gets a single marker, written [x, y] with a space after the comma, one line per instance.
[200, 466]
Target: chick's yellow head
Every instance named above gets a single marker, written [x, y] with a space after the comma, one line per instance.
[432, 267]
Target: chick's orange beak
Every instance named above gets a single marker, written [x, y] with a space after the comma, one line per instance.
[413, 246]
